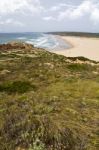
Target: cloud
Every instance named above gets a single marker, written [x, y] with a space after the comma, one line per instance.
[49, 18]
[95, 16]
[58, 7]
[17, 10]
[11, 22]
[20, 7]
[30, 13]
[88, 8]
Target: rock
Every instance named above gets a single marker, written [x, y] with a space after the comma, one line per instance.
[49, 65]
[3, 72]
[16, 45]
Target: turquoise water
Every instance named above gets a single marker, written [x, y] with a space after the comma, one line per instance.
[41, 40]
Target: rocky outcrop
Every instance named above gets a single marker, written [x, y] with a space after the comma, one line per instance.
[15, 45]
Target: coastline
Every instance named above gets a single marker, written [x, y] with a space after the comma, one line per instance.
[60, 37]
[80, 46]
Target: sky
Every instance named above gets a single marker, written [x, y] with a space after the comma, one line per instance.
[49, 15]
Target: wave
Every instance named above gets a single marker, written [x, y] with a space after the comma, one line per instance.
[40, 42]
[45, 41]
[30, 42]
[21, 38]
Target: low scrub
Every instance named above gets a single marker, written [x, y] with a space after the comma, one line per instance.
[48, 102]
[17, 87]
[80, 67]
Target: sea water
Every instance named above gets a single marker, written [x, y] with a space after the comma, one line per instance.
[41, 40]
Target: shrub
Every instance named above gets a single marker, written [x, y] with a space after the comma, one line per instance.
[16, 87]
[37, 145]
[79, 67]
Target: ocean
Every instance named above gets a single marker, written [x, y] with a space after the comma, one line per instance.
[42, 40]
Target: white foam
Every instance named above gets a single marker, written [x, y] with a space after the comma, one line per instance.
[30, 42]
[46, 41]
[40, 43]
[21, 38]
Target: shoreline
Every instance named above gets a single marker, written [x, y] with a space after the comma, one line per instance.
[80, 46]
[70, 45]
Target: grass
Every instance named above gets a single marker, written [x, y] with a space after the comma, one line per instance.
[16, 87]
[79, 67]
[47, 103]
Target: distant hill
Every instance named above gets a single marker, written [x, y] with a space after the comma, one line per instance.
[82, 34]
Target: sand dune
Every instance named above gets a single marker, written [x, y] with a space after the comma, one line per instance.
[81, 46]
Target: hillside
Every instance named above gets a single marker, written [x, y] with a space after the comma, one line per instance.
[47, 101]
[77, 34]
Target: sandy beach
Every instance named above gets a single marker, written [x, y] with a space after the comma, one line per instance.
[81, 46]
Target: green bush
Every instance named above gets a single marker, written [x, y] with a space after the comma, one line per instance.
[79, 67]
[16, 86]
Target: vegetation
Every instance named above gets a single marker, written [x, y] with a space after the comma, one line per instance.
[81, 34]
[48, 101]
[16, 87]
